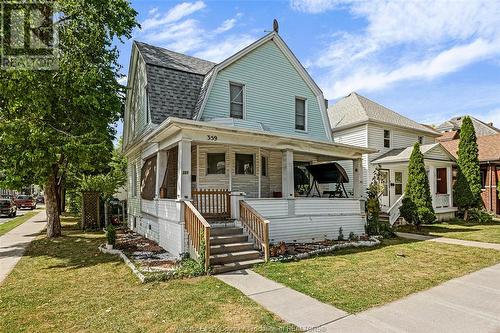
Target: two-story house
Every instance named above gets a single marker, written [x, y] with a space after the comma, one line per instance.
[210, 142]
[359, 121]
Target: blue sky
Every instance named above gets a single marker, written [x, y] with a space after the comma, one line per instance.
[428, 60]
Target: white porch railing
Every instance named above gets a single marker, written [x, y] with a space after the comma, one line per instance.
[393, 211]
[441, 200]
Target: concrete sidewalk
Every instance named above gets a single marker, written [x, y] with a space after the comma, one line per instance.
[14, 243]
[301, 310]
[467, 304]
[449, 240]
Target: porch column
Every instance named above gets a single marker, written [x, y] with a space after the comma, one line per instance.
[161, 168]
[287, 175]
[357, 178]
[184, 170]
[449, 180]
[432, 184]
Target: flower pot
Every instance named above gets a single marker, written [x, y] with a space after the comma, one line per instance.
[109, 246]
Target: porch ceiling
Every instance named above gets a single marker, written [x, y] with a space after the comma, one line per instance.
[175, 129]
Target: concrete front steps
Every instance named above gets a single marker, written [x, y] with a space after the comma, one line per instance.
[230, 249]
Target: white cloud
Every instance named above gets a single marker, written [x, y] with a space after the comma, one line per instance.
[403, 40]
[173, 15]
[224, 49]
[123, 80]
[225, 26]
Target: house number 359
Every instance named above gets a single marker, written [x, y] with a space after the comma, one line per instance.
[212, 137]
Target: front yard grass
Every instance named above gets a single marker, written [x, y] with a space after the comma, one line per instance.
[67, 285]
[357, 279]
[459, 229]
[8, 226]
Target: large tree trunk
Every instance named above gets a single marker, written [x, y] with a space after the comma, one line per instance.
[52, 207]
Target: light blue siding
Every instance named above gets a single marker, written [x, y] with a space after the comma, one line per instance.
[271, 85]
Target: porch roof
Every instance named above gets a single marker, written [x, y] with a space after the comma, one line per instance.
[227, 134]
[434, 151]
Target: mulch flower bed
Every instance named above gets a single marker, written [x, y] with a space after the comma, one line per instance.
[146, 253]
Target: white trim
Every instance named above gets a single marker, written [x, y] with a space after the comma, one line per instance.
[383, 123]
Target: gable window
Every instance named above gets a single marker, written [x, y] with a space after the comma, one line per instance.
[236, 98]
[398, 183]
[441, 181]
[216, 163]
[421, 140]
[263, 166]
[244, 164]
[133, 181]
[387, 139]
[300, 114]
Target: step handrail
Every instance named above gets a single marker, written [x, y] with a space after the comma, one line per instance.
[256, 225]
[198, 230]
[393, 211]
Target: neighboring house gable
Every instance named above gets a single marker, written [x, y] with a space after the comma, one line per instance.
[481, 128]
[272, 79]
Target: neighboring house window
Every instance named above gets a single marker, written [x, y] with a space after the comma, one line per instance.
[398, 183]
[421, 140]
[482, 172]
[216, 163]
[244, 164]
[441, 181]
[236, 97]
[133, 180]
[263, 166]
[300, 114]
[387, 139]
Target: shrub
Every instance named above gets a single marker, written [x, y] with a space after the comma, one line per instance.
[341, 235]
[111, 234]
[480, 216]
[353, 237]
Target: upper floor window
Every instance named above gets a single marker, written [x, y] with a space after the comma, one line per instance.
[300, 114]
[236, 98]
[244, 164]
[387, 139]
[421, 140]
[216, 163]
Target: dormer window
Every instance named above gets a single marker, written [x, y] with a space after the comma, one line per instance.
[236, 98]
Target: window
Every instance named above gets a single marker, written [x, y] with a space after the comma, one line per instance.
[133, 180]
[398, 183]
[441, 181]
[216, 164]
[482, 173]
[387, 139]
[148, 179]
[236, 97]
[421, 140]
[244, 164]
[263, 166]
[300, 114]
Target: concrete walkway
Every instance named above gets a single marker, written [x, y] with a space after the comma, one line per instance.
[14, 243]
[449, 240]
[467, 304]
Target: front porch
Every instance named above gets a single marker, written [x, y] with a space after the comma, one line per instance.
[193, 177]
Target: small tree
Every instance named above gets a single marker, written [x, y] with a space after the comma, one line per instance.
[467, 189]
[417, 204]
[373, 205]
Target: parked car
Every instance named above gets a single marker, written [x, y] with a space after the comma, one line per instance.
[25, 201]
[8, 207]
[40, 199]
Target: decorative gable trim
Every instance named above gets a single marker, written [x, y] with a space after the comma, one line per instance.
[273, 36]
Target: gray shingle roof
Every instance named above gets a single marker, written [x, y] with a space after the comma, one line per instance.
[481, 128]
[174, 82]
[402, 154]
[354, 109]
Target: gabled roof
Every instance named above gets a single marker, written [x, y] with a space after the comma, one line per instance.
[174, 81]
[355, 109]
[488, 145]
[447, 136]
[403, 154]
[481, 128]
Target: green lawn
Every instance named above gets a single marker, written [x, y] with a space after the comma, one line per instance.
[357, 279]
[8, 226]
[488, 232]
[67, 285]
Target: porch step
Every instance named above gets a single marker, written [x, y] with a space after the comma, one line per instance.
[228, 239]
[234, 257]
[384, 217]
[217, 269]
[226, 231]
[228, 248]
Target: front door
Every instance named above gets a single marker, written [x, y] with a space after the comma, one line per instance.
[384, 180]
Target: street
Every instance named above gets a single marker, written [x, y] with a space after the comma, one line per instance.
[20, 212]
